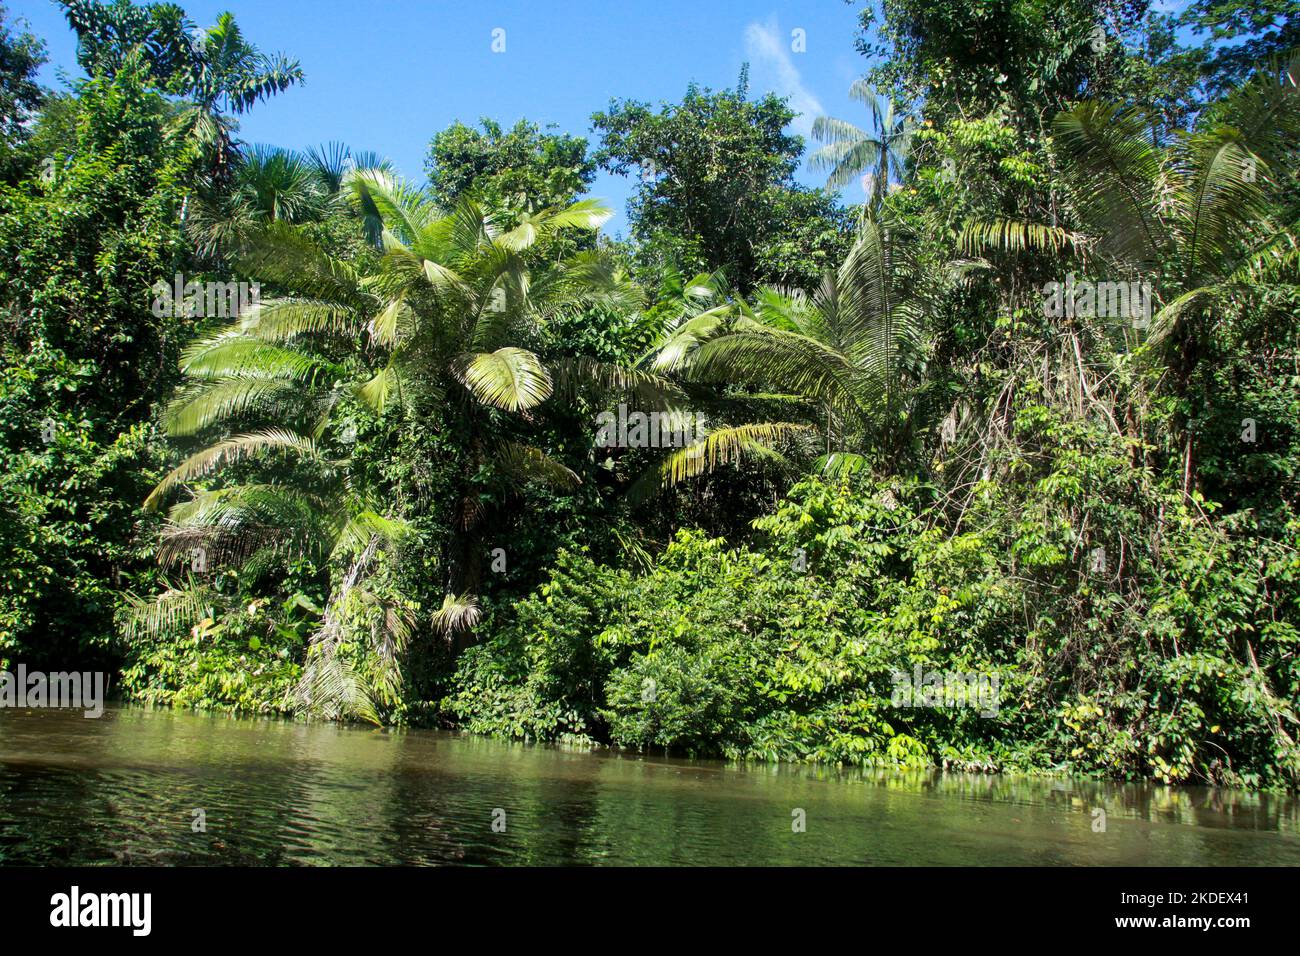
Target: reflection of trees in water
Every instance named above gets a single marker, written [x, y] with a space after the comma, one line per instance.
[272, 792]
[49, 815]
[448, 787]
[122, 789]
[1193, 806]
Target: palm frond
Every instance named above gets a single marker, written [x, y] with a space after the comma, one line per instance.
[230, 450]
[286, 254]
[169, 610]
[771, 357]
[233, 354]
[588, 214]
[367, 526]
[283, 320]
[726, 446]
[578, 374]
[511, 379]
[1216, 205]
[528, 463]
[377, 392]
[978, 237]
[206, 402]
[459, 613]
[386, 201]
[1114, 168]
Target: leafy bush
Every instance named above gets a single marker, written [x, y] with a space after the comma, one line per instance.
[786, 650]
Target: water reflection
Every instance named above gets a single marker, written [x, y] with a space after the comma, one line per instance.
[120, 790]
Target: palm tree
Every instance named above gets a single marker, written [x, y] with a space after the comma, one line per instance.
[271, 184]
[437, 330]
[1191, 216]
[464, 303]
[229, 76]
[304, 499]
[849, 151]
[846, 359]
[215, 69]
[268, 184]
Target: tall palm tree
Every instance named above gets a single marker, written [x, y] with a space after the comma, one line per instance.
[438, 329]
[850, 151]
[229, 76]
[215, 69]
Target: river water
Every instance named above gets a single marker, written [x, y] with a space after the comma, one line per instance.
[124, 789]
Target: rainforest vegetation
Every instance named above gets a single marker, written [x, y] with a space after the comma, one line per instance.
[375, 490]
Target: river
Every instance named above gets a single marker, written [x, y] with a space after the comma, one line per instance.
[152, 787]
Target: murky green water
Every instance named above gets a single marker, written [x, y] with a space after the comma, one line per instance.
[122, 789]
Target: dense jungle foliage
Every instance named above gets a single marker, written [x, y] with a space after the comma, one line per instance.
[377, 489]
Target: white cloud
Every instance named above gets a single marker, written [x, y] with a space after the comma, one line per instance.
[768, 50]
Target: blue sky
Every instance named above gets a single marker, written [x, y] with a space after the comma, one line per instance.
[387, 74]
